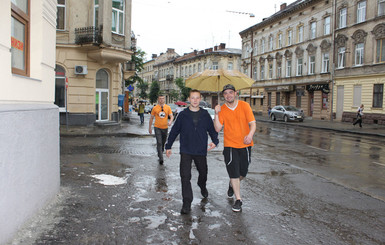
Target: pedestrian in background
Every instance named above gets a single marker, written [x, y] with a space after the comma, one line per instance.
[162, 113]
[193, 124]
[237, 119]
[141, 112]
[359, 116]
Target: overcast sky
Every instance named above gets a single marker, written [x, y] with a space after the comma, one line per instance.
[195, 24]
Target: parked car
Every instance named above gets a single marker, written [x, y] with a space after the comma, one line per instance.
[286, 113]
[210, 111]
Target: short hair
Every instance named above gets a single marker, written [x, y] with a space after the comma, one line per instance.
[161, 95]
[194, 91]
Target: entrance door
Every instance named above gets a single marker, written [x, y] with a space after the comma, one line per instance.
[101, 96]
[311, 103]
[340, 102]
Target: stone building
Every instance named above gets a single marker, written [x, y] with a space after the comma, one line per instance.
[289, 56]
[93, 42]
[29, 124]
[360, 60]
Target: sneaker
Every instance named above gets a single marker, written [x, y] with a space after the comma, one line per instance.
[204, 192]
[230, 191]
[237, 207]
[185, 210]
[161, 162]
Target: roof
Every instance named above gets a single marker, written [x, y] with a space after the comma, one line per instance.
[196, 54]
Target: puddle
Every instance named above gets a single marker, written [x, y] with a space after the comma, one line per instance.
[106, 179]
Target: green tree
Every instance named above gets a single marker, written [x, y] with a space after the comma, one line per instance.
[174, 95]
[185, 91]
[137, 60]
[142, 86]
[154, 91]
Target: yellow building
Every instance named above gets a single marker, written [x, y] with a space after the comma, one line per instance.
[93, 43]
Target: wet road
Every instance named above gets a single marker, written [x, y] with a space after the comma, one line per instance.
[301, 189]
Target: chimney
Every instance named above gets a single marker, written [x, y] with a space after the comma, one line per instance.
[170, 50]
[215, 48]
[283, 6]
[210, 50]
[201, 52]
[206, 50]
[154, 56]
[195, 51]
[222, 46]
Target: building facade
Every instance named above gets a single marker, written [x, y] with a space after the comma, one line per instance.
[360, 60]
[93, 44]
[289, 56]
[29, 125]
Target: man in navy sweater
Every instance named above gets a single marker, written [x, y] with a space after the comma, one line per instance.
[192, 124]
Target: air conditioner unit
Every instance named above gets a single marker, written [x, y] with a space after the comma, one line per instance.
[81, 70]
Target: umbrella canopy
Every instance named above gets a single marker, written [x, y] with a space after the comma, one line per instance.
[180, 103]
[214, 80]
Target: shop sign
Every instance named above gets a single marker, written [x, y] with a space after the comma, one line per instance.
[270, 89]
[316, 87]
[286, 88]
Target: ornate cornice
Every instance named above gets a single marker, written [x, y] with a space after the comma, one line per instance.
[379, 31]
[359, 36]
[341, 40]
[325, 45]
[299, 51]
[311, 49]
[288, 53]
[278, 56]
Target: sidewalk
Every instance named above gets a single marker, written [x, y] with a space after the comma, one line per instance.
[126, 129]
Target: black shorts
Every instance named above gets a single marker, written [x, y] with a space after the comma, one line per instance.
[237, 161]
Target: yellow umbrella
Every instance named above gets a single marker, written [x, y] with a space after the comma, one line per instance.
[214, 80]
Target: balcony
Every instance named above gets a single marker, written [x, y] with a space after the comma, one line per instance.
[169, 77]
[88, 35]
[129, 70]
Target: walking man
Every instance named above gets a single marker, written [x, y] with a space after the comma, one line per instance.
[237, 119]
[141, 112]
[193, 124]
[161, 112]
[360, 113]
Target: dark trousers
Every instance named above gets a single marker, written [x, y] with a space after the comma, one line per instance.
[359, 121]
[161, 137]
[185, 175]
[141, 115]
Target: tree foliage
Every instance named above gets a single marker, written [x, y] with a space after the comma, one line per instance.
[143, 86]
[174, 95]
[138, 60]
[185, 91]
[154, 92]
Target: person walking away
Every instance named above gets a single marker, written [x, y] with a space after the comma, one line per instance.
[193, 124]
[161, 112]
[178, 110]
[359, 116]
[141, 112]
[239, 125]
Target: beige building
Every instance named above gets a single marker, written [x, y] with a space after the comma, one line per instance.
[360, 60]
[289, 56]
[93, 41]
[215, 58]
[29, 124]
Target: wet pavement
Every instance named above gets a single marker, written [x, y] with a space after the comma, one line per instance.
[298, 191]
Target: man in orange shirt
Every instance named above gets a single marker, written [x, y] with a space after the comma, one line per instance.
[237, 119]
[161, 112]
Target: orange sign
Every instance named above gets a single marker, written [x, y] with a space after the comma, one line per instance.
[17, 44]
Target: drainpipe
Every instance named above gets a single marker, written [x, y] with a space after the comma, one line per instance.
[251, 62]
[334, 11]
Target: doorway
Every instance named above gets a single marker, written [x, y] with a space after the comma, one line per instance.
[340, 102]
[102, 96]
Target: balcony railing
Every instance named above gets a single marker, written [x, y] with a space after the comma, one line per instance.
[169, 77]
[89, 35]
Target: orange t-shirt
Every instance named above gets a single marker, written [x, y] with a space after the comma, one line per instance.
[236, 124]
[161, 116]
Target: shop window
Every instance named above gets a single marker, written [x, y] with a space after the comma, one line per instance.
[20, 37]
[118, 17]
[378, 95]
[325, 101]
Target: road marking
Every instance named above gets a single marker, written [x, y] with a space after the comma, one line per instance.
[317, 148]
[379, 163]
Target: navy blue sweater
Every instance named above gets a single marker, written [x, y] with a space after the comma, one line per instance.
[193, 139]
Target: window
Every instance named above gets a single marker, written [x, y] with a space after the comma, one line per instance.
[327, 25]
[313, 30]
[60, 88]
[280, 40]
[200, 67]
[255, 73]
[361, 11]
[343, 16]
[19, 37]
[118, 16]
[359, 54]
[325, 62]
[381, 50]
[255, 47]
[215, 65]
[300, 34]
[262, 72]
[299, 66]
[194, 69]
[357, 95]
[378, 93]
[325, 101]
[289, 37]
[341, 57]
[288, 68]
[269, 98]
[263, 46]
[96, 13]
[270, 71]
[61, 13]
[381, 7]
[270, 43]
[279, 70]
